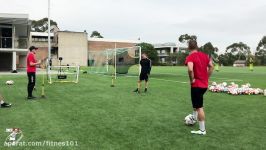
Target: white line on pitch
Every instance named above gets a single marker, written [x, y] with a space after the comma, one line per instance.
[230, 80]
[131, 76]
[164, 80]
[186, 76]
[170, 80]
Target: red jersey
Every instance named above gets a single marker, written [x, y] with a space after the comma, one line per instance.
[200, 62]
[31, 58]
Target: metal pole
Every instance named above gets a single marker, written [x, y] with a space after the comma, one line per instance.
[49, 40]
[139, 59]
[115, 61]
[49, 36]
[14, 53]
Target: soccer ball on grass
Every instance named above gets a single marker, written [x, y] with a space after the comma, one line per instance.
[9, 82]
[189, 120]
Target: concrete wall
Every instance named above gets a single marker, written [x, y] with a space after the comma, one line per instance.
[73, 47]
[22, 61]
[42, 51]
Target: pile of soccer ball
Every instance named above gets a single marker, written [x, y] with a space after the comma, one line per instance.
[222, 87]
[235, 89]
[9, 82]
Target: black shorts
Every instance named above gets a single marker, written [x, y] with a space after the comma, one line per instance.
[143, 76]
[197, 96]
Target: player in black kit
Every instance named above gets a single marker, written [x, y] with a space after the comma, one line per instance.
[145, 64]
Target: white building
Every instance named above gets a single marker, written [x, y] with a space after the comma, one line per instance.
[73, 47]
[164, 51]
[14, 40]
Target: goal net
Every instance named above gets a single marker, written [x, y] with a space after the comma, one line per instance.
[99, 62]
[114, 61]
[63, 74]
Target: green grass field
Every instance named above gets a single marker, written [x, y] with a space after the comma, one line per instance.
[98, 116]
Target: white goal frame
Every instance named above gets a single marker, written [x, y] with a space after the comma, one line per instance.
[76, 80]
[114, 57]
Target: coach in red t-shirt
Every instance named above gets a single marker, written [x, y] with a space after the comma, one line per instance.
[200, 68]
[31, 70]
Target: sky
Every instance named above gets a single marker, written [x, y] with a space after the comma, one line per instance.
[221, 22]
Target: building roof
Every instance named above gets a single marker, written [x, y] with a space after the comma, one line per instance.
[113, 40]
[240, 62]
[67, 31]
[158, 46]
[41, 34]
[6, 18]
[169, 45]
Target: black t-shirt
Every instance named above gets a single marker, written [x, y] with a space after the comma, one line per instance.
[145, 66]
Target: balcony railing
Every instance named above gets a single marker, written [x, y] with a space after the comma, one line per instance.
[19, 43]
[163, 54]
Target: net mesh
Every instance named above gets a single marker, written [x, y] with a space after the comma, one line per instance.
[63, 74]
[114, 61]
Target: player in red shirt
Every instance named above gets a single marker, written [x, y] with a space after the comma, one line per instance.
[31, 70]
[200, 68]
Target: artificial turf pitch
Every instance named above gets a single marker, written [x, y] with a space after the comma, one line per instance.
[98, 116]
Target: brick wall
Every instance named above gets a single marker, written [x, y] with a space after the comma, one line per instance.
[100, 45]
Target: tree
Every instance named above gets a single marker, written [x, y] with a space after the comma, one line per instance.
[250, 59]
[209, 49]
[227, 59]
[150, 51]
[96, 34]
[172, 59]
[181, 57]
[240, 49]
[185, 38]
[261, 51]
[41, 25]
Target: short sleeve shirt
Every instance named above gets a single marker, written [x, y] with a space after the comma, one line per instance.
[31, 58]
[200, 62]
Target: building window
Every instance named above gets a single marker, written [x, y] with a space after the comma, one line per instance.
[6, 37]
[40, 39]
[54, 51]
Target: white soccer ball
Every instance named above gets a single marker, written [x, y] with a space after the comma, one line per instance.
[224, 84]
[257, 91]
[264, 92]
[189, 120]
[248, 85]
[9, 82]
